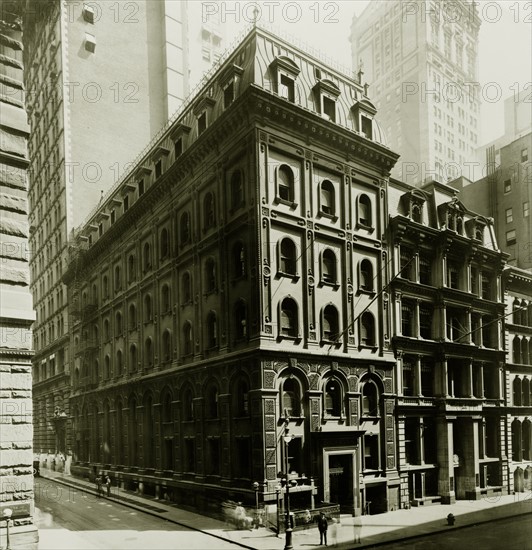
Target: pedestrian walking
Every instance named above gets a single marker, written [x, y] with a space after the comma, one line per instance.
[108, 485]
[334, 532]
[322, 527]
[357, 529]
[99, 485]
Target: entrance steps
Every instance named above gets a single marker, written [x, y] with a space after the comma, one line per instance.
[426, 501]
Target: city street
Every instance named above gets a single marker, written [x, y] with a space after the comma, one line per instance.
[73, 520]
[511, 534]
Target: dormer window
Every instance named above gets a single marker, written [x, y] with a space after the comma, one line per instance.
[202, 122]
[229, 83]
[203, 111]
[286, 87]
[229, 94]
[158, 168]
[177, 135]
[366, 127]
[141, 187]
[328, 109]
[178, 147]
[284, 73]
[326, 93]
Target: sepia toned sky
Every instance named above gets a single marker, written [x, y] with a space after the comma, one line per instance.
[505, 50]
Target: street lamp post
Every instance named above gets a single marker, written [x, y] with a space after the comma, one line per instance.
[256, 488]
[277, 491]
[288, 540]
[7, 514]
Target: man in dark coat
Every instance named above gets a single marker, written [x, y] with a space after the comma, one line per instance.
[322, 527]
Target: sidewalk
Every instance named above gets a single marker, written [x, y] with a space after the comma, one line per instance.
[377, 529]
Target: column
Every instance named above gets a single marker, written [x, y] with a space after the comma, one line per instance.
[444, 430]
[417, 376]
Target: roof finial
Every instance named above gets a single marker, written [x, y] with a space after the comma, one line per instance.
[255, 15]
[366, 88]
[360, 70]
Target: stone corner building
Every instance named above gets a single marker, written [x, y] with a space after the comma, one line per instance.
[16, 315]
[228, 288]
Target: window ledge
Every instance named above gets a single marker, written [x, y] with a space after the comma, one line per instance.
[293, 276]
[289, 337]
[335, 343]
[369, 417]
[333, 285]
[366, 346]
[361, 290]
[291, 204]
[360, 225]
[331, 217]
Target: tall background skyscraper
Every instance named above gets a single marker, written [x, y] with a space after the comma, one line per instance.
[418, 58]
[102, 79]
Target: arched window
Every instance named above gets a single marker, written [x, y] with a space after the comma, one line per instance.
[147, 257]
[291, 397]
[237, 189]
[167, 345]
[525, 400]
[119, 328]
[517, 440]
[212, 330]
[366, 275]
[327, 198]
[118, 278]
[148, 310]
[133, 432]
[211, 402]
[288, 321]
[184, 226]
[208, 211]
[330, 329]
[148, 432]
[187, 338]
[517, 391]
[241, 322]
[239, 260]
[328, 267]
[133, 359]
[148, 352]
[525, 344]
[285, 183]
[241, 397]
[367, 329]
[107, 367]
[525, 441]
[131, 268]
[119, 363]
[94, 295]
[364, 211]
[370, 399]
[287, 257]
[186, 288]
[333, 397]
[516, 349]
[106, 331]
[210, 275]
[164, 243]
[188, 405]
[166, 305]
[105, 286]
[132, 317]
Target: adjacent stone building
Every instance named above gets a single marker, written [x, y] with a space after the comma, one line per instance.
[448, 309]
[230, 289]
[16, 314]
